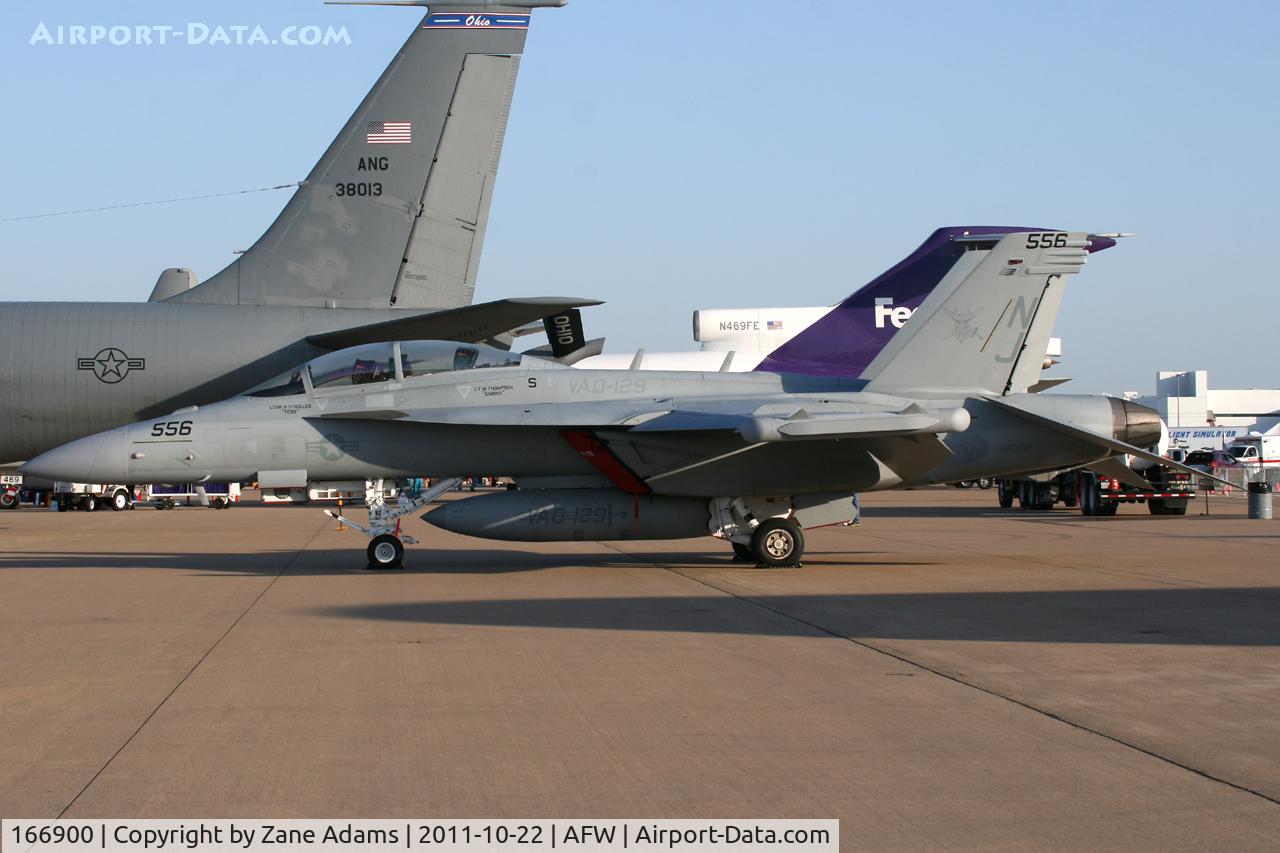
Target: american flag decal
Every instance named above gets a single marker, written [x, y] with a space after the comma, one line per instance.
[774, 325]
[389, 133]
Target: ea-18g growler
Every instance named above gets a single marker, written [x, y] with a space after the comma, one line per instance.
[754, 458]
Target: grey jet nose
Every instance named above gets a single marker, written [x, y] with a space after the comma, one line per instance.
[1135, 424]
[101, 458]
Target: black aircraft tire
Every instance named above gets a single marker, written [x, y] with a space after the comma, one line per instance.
[743, 553]
[385, 552]
[778, 543]
[1004, 494]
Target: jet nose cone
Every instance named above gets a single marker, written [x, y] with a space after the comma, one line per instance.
[1136, 424]
[101, 458]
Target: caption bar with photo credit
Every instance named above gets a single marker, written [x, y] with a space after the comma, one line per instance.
[384, 836]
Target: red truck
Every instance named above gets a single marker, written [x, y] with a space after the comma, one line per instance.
[1166, 491]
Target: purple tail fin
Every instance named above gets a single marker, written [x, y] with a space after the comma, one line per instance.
[846, 339]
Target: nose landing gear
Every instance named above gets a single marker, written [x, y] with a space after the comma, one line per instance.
[385, 551]
[386, 546]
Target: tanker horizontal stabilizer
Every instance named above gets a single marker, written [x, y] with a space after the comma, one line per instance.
[468, 324]
[593, 347]
[1102, 441]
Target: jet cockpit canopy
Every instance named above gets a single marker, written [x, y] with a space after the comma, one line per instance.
[384, 362]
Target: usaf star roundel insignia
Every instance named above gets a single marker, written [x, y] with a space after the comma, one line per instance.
[111, 365]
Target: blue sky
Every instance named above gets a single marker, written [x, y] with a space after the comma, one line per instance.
[667, 156]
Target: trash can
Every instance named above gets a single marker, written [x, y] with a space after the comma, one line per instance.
[1260, 500]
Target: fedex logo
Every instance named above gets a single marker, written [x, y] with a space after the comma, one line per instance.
[897, 316]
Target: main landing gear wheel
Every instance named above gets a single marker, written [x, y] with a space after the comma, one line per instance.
[743, 553]
[1004, 494]
[385, 552]
[777, 543]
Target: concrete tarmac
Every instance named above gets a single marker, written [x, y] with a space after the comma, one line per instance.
[945, 675]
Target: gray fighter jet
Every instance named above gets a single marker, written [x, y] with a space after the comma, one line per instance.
[598, 455]
[381, 242]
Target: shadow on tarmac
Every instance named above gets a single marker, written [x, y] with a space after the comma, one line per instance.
[1127, 514]
[437, 561]
[1165, 616]
[1207, 616]
[313, 561]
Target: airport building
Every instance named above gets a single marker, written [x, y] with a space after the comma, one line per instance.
[1199, 416]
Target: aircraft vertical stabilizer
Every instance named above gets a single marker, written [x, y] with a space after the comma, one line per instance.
[394, 213]
[845, 340]
[987, 319]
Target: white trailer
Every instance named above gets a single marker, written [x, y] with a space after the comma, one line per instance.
[216, 495]
[1258, 454]
[328, 491]
[92, 496]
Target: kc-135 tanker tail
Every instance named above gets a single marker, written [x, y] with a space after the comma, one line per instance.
[382, 241]
[394, 213]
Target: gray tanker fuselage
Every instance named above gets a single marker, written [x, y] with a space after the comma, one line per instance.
[70, 369]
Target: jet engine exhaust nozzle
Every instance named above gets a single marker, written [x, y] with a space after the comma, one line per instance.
[1135, 423]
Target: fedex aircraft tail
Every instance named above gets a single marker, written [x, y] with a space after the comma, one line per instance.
[847, 338]
[985, 326]
[394, 213]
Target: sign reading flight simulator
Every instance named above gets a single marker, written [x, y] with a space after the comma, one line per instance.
[456, 21]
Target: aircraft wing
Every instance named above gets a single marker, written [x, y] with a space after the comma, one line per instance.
[757, 425]
[639, 444]
[468, 324]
